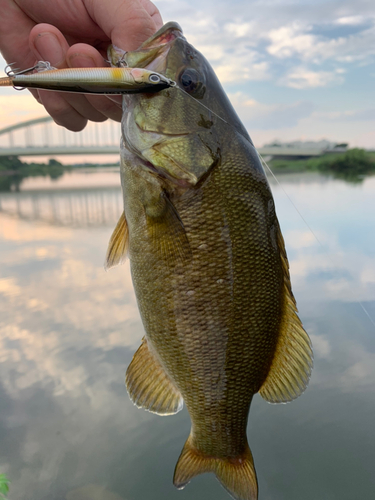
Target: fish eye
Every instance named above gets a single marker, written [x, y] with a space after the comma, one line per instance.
[154, 78]
[190, 80]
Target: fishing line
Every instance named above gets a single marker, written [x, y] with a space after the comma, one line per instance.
[264, 163]
[201, 104]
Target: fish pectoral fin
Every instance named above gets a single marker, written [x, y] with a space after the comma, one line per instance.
[236, 474]
[118, 244]
[292, 363]
[167, 231]
[149, 386]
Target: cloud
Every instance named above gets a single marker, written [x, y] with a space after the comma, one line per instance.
[238, 29]
[290, 40]
[351, 20]
[228, 73]
[321, 345]
[302, 77]
[18, 107]
[259, 115]
[367, 114]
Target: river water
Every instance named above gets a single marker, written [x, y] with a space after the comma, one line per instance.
[68, 330]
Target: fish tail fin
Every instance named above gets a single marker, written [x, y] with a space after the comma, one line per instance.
[237, 475]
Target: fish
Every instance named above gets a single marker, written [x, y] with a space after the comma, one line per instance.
[208, 264]
[117, 80]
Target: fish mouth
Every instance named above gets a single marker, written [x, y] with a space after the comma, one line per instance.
[153, 53]
[166, 34]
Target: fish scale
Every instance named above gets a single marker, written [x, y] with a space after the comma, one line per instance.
[208, 265]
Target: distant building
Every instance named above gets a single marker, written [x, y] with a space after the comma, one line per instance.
[322, 145]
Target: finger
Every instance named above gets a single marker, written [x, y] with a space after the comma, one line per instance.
[69, 110]
[153, 11]
[14, 41]
[48, 44]
[127, 23]
[82, 55]
[62, 112]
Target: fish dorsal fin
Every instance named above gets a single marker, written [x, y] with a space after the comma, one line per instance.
[148, 385]
[293, 360]
[118, 244]
[167, 231]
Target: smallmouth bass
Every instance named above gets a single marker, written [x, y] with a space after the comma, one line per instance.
[208, 264]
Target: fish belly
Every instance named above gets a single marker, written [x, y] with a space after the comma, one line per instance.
[212, 319]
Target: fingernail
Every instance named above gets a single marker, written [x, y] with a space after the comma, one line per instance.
[49, 48]
[78, 60]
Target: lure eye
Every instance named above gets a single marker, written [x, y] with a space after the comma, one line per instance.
[190, 80]
[154, 78]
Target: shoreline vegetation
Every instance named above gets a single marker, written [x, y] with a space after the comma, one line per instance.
[4, 486]
[13, 171]
[352, 165]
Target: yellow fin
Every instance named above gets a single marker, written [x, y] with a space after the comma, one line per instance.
[167, 231]
[293, 360]
[118, 244]
[148, 385]
[237, 475]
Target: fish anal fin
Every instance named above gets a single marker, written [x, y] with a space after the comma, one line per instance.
[167, 232]
[237, 475]
[292, 363]
[149, 386]
[118, 244]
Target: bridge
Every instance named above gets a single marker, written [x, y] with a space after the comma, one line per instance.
[69, 208]
[42, 137]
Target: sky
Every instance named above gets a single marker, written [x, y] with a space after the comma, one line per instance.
[297, 70]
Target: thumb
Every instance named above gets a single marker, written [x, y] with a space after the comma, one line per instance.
[128, 23]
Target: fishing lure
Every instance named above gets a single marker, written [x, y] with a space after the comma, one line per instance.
[119, 80]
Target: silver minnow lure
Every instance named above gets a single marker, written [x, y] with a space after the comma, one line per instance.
[121, 80]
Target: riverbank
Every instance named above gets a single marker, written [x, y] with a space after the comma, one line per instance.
[352, 165]
[13, 171]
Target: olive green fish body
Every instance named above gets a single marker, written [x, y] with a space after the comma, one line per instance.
[208, 265]
[211, 318]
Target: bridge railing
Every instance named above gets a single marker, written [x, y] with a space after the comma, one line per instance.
[73, 208]
[43, 135]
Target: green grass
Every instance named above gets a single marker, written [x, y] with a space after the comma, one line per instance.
[351, 165]
[4, 486]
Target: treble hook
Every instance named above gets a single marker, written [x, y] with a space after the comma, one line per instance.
[9, 70]
[16, 71]
[39, 66]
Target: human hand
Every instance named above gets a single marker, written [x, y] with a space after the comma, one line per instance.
[74, 34]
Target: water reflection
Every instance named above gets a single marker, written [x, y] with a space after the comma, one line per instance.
[68, 330]
[95, 207]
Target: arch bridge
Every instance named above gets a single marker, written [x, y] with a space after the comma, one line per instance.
[42, 137]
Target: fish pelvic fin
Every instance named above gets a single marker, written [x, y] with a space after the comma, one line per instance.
[149, 386]
[237, 475]
[118, 244]
[292, 363]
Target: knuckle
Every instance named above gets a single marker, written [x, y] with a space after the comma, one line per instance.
[108, 108]
[69, 119]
